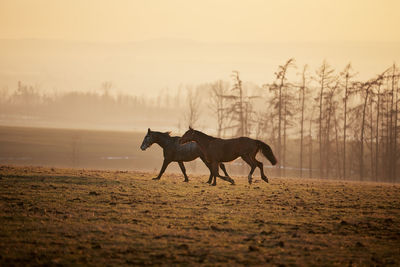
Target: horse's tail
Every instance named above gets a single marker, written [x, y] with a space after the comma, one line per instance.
[266, 151]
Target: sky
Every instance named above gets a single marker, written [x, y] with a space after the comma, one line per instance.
[143, 47]
[206, 20]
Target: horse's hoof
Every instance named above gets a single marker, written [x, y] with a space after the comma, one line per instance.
[213, 184]
[265, 179]
[186, 181]
[250, 178]
[156, 179]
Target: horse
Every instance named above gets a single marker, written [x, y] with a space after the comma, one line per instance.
[175, 152]
[217, 150]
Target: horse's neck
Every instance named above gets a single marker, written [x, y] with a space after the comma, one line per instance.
[163, 141]
[203, 140]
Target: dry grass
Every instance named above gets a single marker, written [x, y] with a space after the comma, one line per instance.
[67, 216]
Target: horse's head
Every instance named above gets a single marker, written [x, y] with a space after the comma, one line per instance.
[188, 136]
[148, 140]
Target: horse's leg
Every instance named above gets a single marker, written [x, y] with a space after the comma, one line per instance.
[210, 179]
[261, 166]
[225, 178]
[183, 170]
[214, 181]
[209, 167]
[252, 164]
[222, 166]
[164, 166]
[214, 172]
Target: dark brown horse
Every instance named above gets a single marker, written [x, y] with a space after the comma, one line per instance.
[173, 151]
[217, 150]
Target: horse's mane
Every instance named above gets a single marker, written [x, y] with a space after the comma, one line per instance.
[204, 135]
[165, 134]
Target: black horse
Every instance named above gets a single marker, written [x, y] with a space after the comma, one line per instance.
[217, 150]
[173, 151]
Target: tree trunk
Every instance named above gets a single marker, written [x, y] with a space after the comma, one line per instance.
[395, 137]
[320, 130]
[279, 129]
[371, 138]
[303, 89]
[361, 159]
[310, 152]
[346, 95]
[284, 133]
[377, 135]
[338, 172]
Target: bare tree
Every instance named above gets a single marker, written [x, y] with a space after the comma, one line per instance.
[279, 102]
[4, 94]
[310, 144]
[396, 117]
[330, 109]
[218, 104]
[241, 110]
[325, 77]
[377, 123]
[393, 114]
[365, 90]
[238, 105]
[347, 74]
[106, 87]
[303, 93]
[193, 99]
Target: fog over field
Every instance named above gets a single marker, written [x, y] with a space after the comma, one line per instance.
[135, 85]
[147, 67]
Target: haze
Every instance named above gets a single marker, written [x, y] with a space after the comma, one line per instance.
[208, 21]
[143, 47]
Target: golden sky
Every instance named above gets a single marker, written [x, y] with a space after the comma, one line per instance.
[205, 20]
[181, 42]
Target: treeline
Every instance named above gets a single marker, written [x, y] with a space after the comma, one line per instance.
[325, 124]
[102, 108]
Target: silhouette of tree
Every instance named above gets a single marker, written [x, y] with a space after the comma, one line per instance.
[280, 101]
[219, 105]
[193, 100]
[325, 78]
[303, 94]
[240, 109]
[347, 74]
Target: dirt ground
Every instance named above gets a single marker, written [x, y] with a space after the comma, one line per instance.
[88, 217]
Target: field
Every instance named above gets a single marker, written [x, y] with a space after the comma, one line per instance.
[69, 148]
[96, 217]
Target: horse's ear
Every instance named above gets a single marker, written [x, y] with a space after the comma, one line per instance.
[190, 128]
[148, 130]
[169, 132]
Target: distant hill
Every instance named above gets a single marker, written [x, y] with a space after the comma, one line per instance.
[148, 66]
